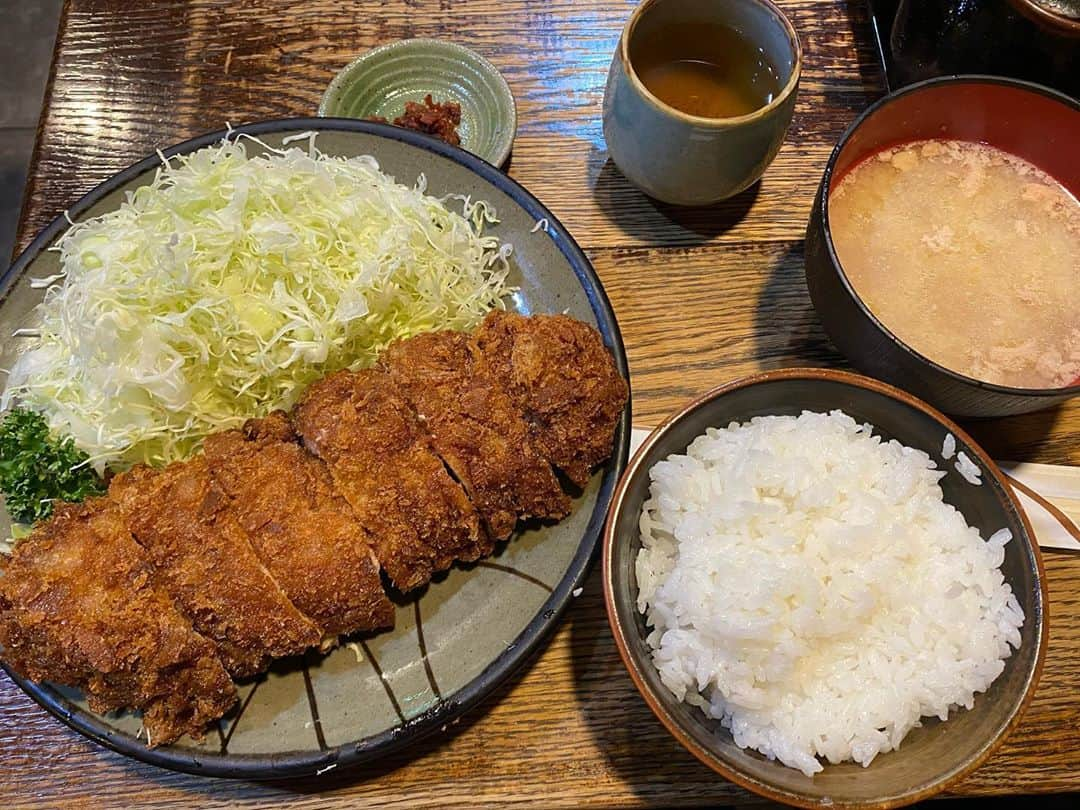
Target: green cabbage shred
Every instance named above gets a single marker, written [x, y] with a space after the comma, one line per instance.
[227, 285]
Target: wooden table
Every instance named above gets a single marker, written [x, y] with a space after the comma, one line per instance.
[702, 296]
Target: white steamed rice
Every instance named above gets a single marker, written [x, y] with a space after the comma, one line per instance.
[808, 587]
[948, 447]
[968, 469]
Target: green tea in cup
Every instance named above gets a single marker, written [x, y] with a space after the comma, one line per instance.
[708, 70]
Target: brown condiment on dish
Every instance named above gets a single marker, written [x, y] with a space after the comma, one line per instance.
[438, 118]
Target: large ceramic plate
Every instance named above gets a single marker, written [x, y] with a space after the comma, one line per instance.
[455, 641]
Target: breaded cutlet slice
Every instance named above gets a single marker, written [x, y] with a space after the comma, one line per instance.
[382, 463]
[303, 531]
[79, 605]
[476, 428]
[559, 373]
[205, 560]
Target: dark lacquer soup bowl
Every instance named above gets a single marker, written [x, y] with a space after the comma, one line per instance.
[1032, 122]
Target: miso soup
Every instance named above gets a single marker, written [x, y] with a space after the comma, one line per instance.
[969, 255]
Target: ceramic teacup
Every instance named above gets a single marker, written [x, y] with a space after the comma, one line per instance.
[689, 159]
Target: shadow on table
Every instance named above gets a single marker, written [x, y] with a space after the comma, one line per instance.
[1028, 437]
[787, 330]
[657, 223]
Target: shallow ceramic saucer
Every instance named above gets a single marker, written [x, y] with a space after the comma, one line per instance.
[379, 82]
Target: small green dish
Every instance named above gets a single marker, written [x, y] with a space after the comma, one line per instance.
[379, 82]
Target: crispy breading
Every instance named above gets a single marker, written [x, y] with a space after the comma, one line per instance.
[306, 534]
[150, 598]
[205, 560]
[382, 462]
[562, 377]
[79, 604]
[476, 428]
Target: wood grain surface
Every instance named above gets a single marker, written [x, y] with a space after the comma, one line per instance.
[702, 296]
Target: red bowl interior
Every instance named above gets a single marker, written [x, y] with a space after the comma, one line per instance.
[1029, 123]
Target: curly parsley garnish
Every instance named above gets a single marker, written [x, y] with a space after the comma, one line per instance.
[37, 468]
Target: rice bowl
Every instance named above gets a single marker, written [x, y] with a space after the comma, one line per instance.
[935, 755]
[808, 587]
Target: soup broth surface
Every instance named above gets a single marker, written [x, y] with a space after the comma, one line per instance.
[969, 255]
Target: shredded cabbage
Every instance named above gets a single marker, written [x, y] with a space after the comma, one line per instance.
[226, 286]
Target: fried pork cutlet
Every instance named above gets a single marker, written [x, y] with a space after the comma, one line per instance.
[206, 562]
[79, 606]
[305, 534]
[382, 462]
[558, 372]
[477, 429]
